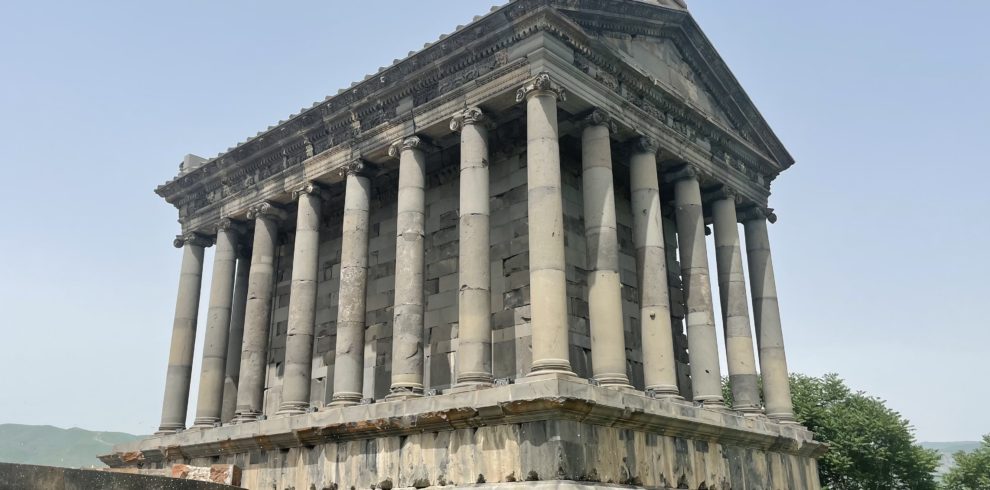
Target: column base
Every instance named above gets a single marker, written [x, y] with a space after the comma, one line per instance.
[749, 410]
[206, 422]
[479, 378]
[345, 399]
[546, 366]
[612, 380]
[249, 416]
[292, 408]
[663, 391]
[404, 392]
[166, 429]
[783, 418]
[713, 402]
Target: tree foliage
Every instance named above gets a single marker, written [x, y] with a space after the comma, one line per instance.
[971, 470]
[870, 445]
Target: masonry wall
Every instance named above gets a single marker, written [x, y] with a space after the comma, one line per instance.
[510, 292]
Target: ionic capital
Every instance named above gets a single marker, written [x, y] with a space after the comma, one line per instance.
[359, 168]
[310, 188]
[722, 192]
[541, 84]
[684, 173]
[756, 213]
[645, 144]
[194, 239]
[471, 115]
[599, 117]
[411, 143]
[227, 224]
[267, 210]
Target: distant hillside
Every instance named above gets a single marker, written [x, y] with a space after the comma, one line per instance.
[948, 449]
[52, 446]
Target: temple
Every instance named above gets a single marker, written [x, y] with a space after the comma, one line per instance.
[487, 265]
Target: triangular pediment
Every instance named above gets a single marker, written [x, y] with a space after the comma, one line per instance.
[666, 46]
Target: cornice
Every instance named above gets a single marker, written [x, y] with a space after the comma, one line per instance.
[475, 54]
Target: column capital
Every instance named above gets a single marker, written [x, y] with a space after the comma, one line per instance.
[358, 167]
[755, 213]
[469, 116]
[267, 210]
[645, 144]
[192, 238]
[720, 193]
[414, 142]
[311, 188]
[686, 172]
[541, 84]
[231, 225]
[598, 117]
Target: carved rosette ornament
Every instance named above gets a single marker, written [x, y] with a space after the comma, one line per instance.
[471, 115]
[411, 143]
[194, 239]
[757, 213]
[599, 117]
[542, 84]
[268, 210]
[646, 144]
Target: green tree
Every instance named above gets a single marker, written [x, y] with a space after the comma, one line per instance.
[971, 470]
[870, 446]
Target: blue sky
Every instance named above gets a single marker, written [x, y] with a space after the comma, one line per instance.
[880, 250]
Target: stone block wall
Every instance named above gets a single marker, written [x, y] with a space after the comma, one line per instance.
[510, 292]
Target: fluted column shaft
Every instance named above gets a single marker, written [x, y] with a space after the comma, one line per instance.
[236, 336]
[301, 326]
[474, 331]
[407, 320]
[766, 312]
[180, 356]
[548, 285]
[735, 313]
[659, 363]
[608, 346]
[706, 381]
[210, 401]
[257, 314]
[348, 373]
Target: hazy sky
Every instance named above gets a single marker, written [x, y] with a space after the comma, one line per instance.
[880, 251]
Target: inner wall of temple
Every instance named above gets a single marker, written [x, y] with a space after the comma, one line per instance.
[510, 292]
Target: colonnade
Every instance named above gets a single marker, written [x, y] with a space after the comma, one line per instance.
[235, 354]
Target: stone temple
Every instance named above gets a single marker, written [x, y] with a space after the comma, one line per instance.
[487, 264]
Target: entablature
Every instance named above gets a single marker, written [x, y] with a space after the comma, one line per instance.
[480, 62]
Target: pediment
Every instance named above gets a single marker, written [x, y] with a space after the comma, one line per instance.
[666, 46]
[664, 62]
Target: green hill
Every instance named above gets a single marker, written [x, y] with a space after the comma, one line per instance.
[947, 449]
[53, 446]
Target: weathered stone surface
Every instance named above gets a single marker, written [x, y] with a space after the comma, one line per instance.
[510, 254]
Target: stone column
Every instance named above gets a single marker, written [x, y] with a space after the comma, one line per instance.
[257, 313]
[706, 380]
[301, 326]
[766, 312]
[608, 345]
[659, 361]
[735, 314]
[180, 356]
[407, 319]
[474, 331]
[210, 400]
[348, 373]
[548, 286]
[236, 336]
